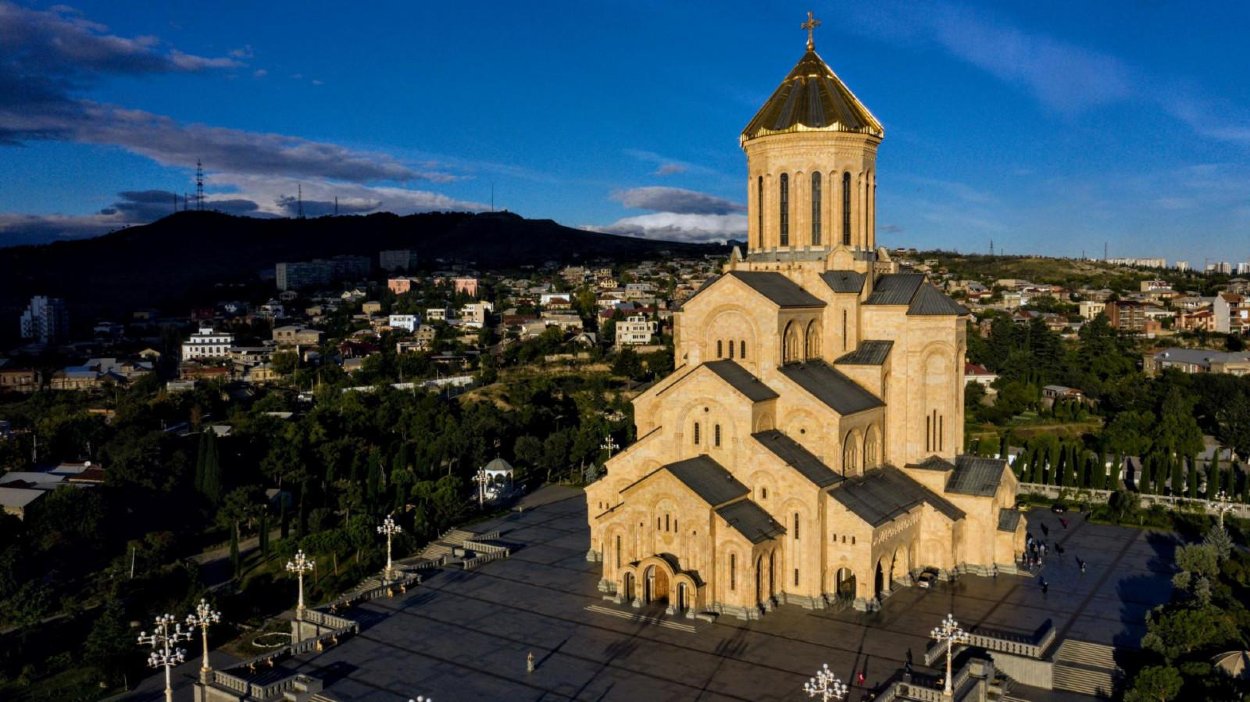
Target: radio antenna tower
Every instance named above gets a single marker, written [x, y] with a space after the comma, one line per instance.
[199, 185]
[300, 199]
[336, 205]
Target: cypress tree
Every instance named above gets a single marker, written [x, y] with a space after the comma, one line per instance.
[264, 533]
[1143, 475]
[1213, 475]
[1178, 477]
[235, 561]
[1070, 470]
[1191, 490]
[284, 516]
[1230, 481]
[210, 485]
[1035, 462]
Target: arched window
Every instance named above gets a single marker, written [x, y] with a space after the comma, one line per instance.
[796, 526]
[812, 342]
[850, 456]
[742, 348]
[871, 448]
[716, 436]
[791, 344]
[759, 210]
[846, 209]
[783, 208]
[720, 352]
[731, 348]
[816, 208]
[843, 330]
[733, 571]
[696, 433]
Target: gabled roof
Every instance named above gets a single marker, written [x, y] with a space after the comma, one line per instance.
[750, 520]
[779, 289]
[831, 387]
[708, 479]
[975, 475]
[885, 493]
[930, 301]
[895, 289]
[869, 353]
[1008, 519]
[933, 463]
[742, 380]
[911, 289]
[844, 281]
[797, 457]
[812, 98]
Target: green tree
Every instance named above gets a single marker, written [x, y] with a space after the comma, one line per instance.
[1181, 631]
[1177, 432]
[208, 468]
[1156, 683]
[109, 646]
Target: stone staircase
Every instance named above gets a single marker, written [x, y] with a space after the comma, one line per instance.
[457, 537]
[1085, 668]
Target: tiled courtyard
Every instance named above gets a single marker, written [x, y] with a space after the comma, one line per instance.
[466, 635]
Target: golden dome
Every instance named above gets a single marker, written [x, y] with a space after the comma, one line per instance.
[812, 99]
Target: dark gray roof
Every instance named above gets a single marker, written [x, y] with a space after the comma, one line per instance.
[883, 494]
[1008, 519]
[910, 289]
[844, 281]
[751, 521]
[931, 301]
[708, 479]
[831, 387]
[742, 380]
[776, 287]
[869, 353]
[797, 457]
[895, 289]
[933, 463]
[974, 475]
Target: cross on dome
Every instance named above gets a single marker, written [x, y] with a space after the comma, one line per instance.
[810, 25]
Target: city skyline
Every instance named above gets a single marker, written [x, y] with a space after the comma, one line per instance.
[1002, 123]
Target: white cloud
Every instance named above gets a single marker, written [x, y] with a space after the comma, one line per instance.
[671, 226]
[677, 200]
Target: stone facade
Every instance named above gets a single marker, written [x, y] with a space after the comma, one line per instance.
[805, 447]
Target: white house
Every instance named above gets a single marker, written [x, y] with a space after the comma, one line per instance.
[207, 343]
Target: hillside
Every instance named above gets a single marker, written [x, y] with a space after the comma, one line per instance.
[177, 260]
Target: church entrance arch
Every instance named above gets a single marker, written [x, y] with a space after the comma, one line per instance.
[878, 585]
[627, 587]
[654, 585]
[683, 597]
[845, 587]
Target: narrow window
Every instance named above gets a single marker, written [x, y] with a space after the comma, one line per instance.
[674, 523]
[928, 432]
[763, 493]
[666, 522]
[720, 352]
[796, 577]
[843, 330]
[846, 209]
[716, 435]
[733, 571]
[852, 540]
[759, 210]
[742, 349]
[941, 434]
[731, 349]
[618, 550]
[784, 209]
[816, 208]
[657, 523]
[796, 526]
[696, 433]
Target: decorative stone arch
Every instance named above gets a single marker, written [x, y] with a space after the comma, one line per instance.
[937, 369]
[843, 582]
[705, 411]
[733, 326]
[763, 488]
[872, 447]
[763, 422]
[791, 343]
[900, 563]
[801, 425]
[851, 443]
[811, 340]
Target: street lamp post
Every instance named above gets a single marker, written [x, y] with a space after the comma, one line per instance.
[949, 632]
[165, 652]
[204, 617]
[390, 528]
[825, 685]
[300, 565]
[609, 445]
[1222, 506]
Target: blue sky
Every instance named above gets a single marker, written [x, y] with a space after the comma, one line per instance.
[1049, 128]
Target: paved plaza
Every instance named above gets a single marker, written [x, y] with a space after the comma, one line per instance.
[467, 635]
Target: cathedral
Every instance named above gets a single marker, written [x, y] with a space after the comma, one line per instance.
[805, 448]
